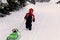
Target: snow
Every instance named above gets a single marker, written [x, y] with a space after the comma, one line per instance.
[46, 26]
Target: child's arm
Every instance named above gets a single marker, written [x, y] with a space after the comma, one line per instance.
[33, 18]
[26, 16]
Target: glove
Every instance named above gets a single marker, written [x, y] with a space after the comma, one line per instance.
[33, 19]
[25, 18]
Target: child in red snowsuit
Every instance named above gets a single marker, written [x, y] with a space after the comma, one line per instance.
[29, 17]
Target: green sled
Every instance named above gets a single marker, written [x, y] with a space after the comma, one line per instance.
[12, 36]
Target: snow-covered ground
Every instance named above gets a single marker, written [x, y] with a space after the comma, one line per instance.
[46, 26]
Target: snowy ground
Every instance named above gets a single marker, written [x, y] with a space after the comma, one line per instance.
[46, 26]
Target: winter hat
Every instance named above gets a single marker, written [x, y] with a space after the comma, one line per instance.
[15, 30]
[31, 9]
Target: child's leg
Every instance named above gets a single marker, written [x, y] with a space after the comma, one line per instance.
[27, 26]
[30, 26]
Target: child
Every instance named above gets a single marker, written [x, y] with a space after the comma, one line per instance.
[29, 17]
[13, 35]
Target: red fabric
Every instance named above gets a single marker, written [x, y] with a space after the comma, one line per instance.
[30, 13]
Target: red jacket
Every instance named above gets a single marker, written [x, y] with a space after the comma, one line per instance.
[30, 13]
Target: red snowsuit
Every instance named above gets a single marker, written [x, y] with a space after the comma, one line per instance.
[29, 18]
